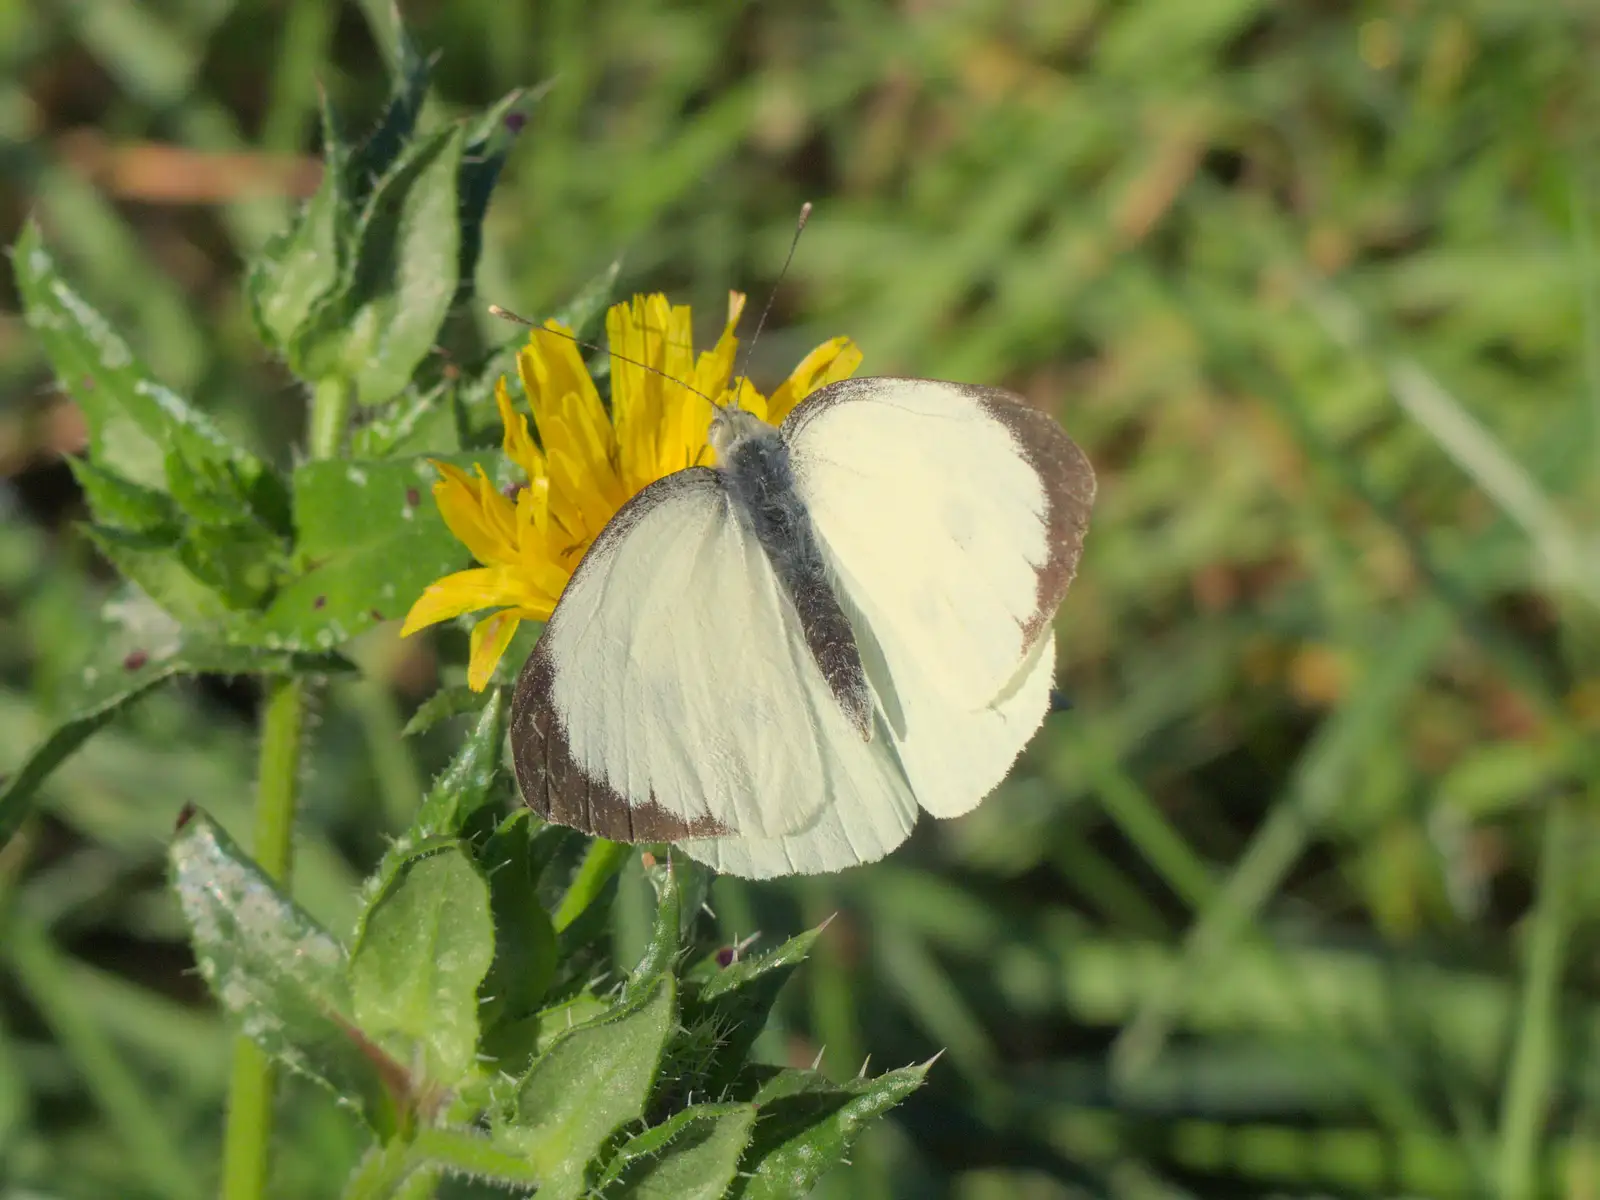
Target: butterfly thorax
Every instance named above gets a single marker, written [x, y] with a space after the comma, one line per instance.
[753, 460]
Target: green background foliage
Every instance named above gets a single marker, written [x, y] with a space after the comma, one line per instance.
[1293, 901]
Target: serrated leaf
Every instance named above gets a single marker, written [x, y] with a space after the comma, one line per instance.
[591, 1081]
[125, 666]
[423, 950]
[807, 1126]
[402, 279]
[488, 142]
[419, 422]
[305, 263]
[134, 421]
[240, 563]
[378, 151]
[468, 782]
[525, 942]
[374, 540]
[122, 504]
[156, 565]
[277, 974]
[736, 1001]
[691, 1156]
[444, 704]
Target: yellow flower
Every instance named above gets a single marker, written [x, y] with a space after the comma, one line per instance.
[587, 463]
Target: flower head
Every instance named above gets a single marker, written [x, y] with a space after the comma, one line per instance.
[587, 461]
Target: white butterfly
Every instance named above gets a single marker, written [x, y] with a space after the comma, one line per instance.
[775, 662]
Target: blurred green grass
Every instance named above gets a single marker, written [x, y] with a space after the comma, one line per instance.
[1295, 901]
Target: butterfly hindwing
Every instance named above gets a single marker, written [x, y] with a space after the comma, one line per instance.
[952, 518]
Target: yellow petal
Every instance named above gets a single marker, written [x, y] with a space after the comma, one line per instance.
[479, 516]
[518, 443]
[465, 591]
[828, 363]
[555, 379]
[490, 637]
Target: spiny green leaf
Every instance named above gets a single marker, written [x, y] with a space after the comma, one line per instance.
[444, 704]
[134, 421]
[303, 264]
[373, 540]
[277, 974]
[423, 950]
[155, 564]
[239, 563]
[734, 1003]
[364, 166]
[127, 663]
[693, 1155]
[120, 503]
[591, 1081]
[418, 422]
[525, 942]
[807, 1126]
[387, 314]
[468, 783]
[488, 142]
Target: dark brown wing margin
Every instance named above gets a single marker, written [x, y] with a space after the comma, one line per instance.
[1069, 487]
[1064, 469]
[552, 784]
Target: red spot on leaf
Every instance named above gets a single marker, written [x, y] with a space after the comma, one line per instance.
[376, 615]
[185, 815]
[319, 602]
[134, 660]
[413, 497]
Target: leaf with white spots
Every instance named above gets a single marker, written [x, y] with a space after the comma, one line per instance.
[424, 948]
[135, 423]
[369, 539]
[129, 661]
[278, 975]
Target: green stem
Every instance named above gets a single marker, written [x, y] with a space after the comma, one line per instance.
[1530, 1086]
[250, 1087]
[331, 401]
[244, 1152]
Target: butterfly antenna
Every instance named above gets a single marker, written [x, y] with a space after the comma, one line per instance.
[505, 314]
[799, 228]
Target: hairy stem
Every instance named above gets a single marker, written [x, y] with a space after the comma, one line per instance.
[244, 1154]
[250, 1087]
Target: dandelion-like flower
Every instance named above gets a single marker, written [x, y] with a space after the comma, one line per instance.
[588, 462]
